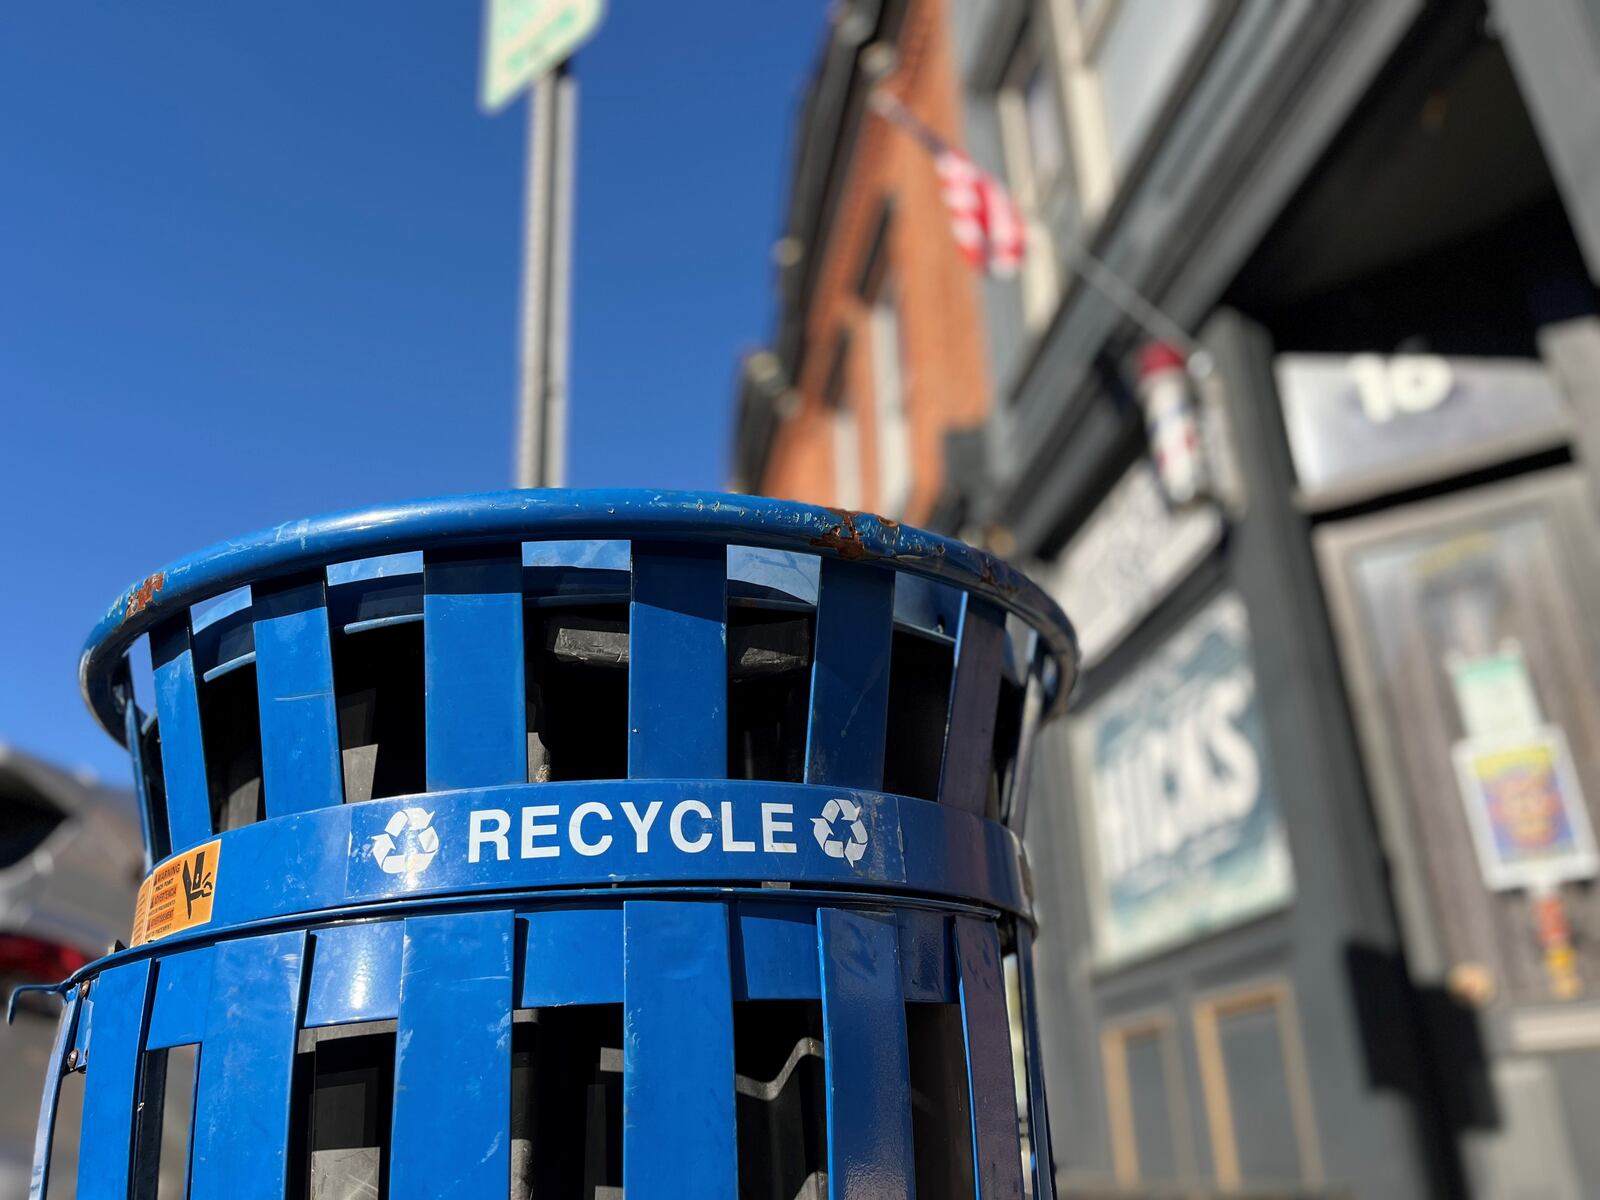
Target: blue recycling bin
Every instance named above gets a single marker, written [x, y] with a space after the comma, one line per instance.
[572, 843]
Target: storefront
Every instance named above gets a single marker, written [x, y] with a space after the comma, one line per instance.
[1322, 918]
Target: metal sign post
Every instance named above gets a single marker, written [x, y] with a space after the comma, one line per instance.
[546, 290]
[531, 41]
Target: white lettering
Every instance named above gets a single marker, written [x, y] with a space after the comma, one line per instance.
[531, 831]
[641, 825]
[1179, 788]
[728, 842]
[481, 833]
[575, 829]
[675, 827]
[771, 827]
[1240, 782]
[1406, 383]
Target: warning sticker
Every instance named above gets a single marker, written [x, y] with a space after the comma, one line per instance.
[177, 895]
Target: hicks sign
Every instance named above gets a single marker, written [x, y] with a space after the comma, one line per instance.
[1183, 815]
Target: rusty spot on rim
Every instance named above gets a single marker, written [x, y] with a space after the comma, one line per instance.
[844, 539]
[991, 575]
[139, 599]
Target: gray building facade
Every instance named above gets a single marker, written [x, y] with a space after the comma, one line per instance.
[1321, 915]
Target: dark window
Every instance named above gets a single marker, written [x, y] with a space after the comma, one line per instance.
[941, 1114]
[164, 1123]
[920, 670]
[781, 1097]
[27, 816]
[378, 679]
[566, 1102]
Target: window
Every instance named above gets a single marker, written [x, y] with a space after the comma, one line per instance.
[1042, 114]
[1139, 51]
[1038, 159]
[889, 402]
[1084, 92]
[1151, 1137]
[846, 458]
[846, 428]
[1256, 1089]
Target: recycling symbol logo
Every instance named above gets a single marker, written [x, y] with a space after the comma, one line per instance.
[407, 844]
[841, 816]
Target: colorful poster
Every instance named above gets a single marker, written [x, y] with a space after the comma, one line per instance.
[1181, 810]
[1527, 815]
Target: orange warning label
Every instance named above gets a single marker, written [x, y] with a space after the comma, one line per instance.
[177, 895]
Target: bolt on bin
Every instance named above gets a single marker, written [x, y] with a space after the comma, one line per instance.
[572, 843]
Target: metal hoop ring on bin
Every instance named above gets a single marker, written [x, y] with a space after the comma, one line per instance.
[563, 514]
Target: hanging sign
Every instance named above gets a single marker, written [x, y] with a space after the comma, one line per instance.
[1129, 554]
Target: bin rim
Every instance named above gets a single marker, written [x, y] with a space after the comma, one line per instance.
[561, 514]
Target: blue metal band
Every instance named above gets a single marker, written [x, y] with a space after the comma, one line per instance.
[603, 832]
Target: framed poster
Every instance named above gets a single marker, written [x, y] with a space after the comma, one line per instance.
[1182, 822]
[1464, 632]
[1528, 816]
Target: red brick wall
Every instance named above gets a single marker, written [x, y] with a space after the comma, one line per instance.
[946, 383]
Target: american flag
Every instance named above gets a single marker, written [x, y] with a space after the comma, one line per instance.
[985, 220]
[987, 224]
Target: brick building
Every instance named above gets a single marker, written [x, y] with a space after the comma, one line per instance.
[878, 350]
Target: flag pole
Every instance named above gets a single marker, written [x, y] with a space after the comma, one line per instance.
[1127, 299]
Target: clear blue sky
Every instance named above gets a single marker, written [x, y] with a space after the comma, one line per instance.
[260, 261]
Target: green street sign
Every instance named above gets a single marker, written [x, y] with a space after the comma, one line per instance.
[522, 39]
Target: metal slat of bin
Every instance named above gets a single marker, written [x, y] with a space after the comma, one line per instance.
[300, 764]
[864, 1044]
[183, 755]
[452, 1073]
[974, 694]
[678, 1138]
[111, 1081]
[850, 676]
[774, 952]
[572, 956]
[997, 1160]
[179, 999]
[241, 1115]
[678, 662]
[355, 974]
[122, 686]
[1044, 1184]
[476, 723]
[45, 1131]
